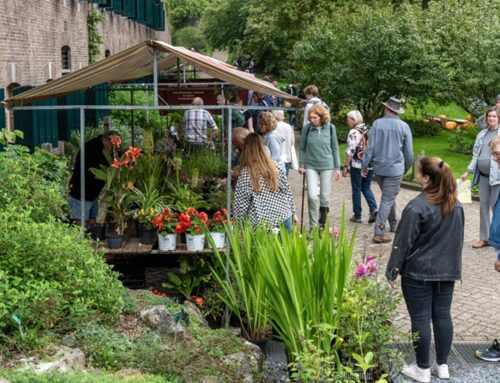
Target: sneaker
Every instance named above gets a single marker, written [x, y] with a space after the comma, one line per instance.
[381, 239]
[492, 354]
[422, 375]
[373, 217]
[355, 219]
[440, 370]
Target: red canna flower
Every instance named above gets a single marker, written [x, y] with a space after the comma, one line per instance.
[116, 163]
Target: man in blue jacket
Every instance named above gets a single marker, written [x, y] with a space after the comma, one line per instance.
[390, 153]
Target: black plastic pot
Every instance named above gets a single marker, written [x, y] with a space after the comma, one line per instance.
[147, 236]
[115, 241]
[97, 232]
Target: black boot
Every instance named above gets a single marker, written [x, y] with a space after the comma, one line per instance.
[323, 213]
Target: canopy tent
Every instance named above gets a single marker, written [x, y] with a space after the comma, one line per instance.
[139, 61]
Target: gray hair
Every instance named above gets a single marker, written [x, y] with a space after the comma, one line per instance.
[279, 114]
[356, 116]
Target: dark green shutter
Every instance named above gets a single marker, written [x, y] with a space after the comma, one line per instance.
[131, 8]
[141, 11]
[69, 119]
[2, 110]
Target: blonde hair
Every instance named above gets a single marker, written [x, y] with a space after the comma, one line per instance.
[268, 121]
[356, 116]
[261, 167]
[320, 110]
[279, 114]
[442, 187]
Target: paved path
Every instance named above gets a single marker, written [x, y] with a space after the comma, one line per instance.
[476, 304]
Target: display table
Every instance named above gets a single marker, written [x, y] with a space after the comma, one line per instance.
[132, 260]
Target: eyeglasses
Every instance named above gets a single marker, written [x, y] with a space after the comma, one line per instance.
[495, 154]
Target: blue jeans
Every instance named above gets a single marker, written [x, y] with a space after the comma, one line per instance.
[287, 223]
[426, 301]
[362, 185]
[75, 211]
[288, 166]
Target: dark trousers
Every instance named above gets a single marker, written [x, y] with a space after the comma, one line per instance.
[362, 185]
[426, 301]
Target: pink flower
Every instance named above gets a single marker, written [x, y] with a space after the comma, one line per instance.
[371, 266]
[361, 271]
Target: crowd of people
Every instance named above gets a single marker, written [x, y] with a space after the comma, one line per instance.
[427, 246]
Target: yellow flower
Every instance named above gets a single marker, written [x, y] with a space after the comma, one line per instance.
[130, 186]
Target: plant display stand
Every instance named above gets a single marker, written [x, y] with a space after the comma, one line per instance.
[132, 260]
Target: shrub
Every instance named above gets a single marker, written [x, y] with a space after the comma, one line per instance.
[421, 129]
[34, 182]
[28, 376]
[50, 276]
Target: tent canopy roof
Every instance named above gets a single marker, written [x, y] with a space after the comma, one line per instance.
[137, 62]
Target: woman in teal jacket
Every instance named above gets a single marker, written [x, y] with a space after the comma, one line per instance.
[319, 158]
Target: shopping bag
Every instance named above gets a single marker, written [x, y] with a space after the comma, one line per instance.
[464, 193]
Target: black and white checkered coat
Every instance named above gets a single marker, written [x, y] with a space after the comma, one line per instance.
[265, 207]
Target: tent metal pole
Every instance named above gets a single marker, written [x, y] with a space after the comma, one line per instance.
[222, 116]
[155, 75]
[82, 168]
[132, 116]
[178, 73]
[227, 313]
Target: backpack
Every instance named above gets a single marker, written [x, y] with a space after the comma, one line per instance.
[361, 147]
[315, 102]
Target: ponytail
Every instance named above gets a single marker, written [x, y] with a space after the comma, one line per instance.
[442, 187]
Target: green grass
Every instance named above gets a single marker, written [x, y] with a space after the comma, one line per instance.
[435, 146]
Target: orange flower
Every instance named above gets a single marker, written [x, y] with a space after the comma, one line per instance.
[178, 228]
[116, 163]
[197, 229]
[115, 140]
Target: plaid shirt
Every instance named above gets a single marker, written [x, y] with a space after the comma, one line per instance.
[195, 125]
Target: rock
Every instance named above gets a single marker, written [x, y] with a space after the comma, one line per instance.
[236, 331]
[208, 379]
[2, 380]
[194, 312]
[243, 368]
[158, 318]
[256, 357]
[68, 340]
[65, 359]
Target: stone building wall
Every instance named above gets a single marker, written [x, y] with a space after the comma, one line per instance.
[32, 33]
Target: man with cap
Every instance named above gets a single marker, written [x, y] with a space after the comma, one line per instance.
[390, 153]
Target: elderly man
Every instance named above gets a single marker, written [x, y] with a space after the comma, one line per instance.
[196, 123]
[390, 153]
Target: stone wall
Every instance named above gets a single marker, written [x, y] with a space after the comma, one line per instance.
[33, 32]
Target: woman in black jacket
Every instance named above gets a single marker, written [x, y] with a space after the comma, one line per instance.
[427, 253]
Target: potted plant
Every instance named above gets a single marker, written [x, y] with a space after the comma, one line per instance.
[216, 227]
[168, 226]
[117, 192]
[193, 223]
[145, 230]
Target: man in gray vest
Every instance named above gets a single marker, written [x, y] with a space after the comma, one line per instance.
[390, 153]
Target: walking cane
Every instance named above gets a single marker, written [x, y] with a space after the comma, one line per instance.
[302, 209]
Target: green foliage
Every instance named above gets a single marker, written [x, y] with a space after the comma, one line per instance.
[243, 287]
[190, 37]
[7, 136]
[197, 356]
[467, 34]
[421, 129]
[193, 272]
[33, 182]
[208, 162]
[181, 198]
[54, 376]
[143, 120]
[51, 276]
[461, 141]
[95, 38]
[135, 300]
[351, 56]
[182, 13]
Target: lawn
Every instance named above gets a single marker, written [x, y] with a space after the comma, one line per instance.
[437, 146]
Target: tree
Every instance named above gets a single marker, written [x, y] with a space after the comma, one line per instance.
[182, 13]
[359, 57]
[468, 34]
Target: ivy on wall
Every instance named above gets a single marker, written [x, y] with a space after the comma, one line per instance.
[95, 38]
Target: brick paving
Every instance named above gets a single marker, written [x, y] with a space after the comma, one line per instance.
[476, 304]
